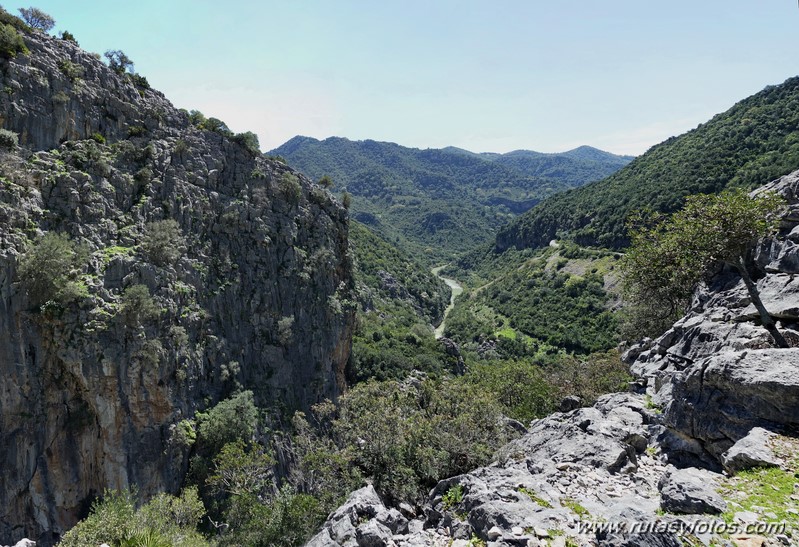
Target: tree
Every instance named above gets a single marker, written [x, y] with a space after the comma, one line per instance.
[37, 19]
[163, 242]
[118, 61]
[49, 269]
[668, 257]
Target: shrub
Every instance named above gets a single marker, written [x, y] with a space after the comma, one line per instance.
[519, 386]
[163, 242]
[181, 147]
[288, 519]
[11, 42]
[409, 436]
[290, 187]
[59, 97]
[98, 138]
[108, 522]
[249, 141]
[136, 130]
[71, 70]
[239, 471]
[8, 139]
[166, 520]
[139, 81]
[48, 269]
[137, 306]
[230, 420]
[37, 19]
[69, 37]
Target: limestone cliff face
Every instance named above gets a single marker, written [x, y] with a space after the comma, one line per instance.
[257, 298]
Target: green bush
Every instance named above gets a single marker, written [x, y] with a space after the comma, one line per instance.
[69, 37]
[118, 61]
[48, 270]
[166, 520]
[291, 188]
[71, 70]
[249, 141]
[227, 422]
[288, 519]
[11, 42]
[407, 436]
[163, 242]
[520, 386]
[8, 139]
[137, 305]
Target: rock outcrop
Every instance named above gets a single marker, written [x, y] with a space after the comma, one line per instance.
[645, 468]
[255, 298]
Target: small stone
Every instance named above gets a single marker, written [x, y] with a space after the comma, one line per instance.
[563, 466]
[517, 531]
[540, 532]
[493, 533]
[746, 517]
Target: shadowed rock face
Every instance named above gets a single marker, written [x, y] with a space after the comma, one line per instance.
[256, 299]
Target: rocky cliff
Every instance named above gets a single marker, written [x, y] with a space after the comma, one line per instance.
[702, 451]
[198, 268]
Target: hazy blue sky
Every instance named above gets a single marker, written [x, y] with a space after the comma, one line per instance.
[487, 76]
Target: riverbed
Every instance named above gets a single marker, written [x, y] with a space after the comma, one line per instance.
[456, 289]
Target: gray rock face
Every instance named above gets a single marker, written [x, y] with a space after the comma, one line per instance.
[690, 491]
[89, 401]
[362, 521]
[569, 468]
[751, 451]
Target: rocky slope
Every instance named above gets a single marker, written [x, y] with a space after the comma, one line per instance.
[247, 286]
[653, 467]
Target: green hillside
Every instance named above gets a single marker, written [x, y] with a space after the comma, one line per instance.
[398, 302]
[439, 203]
[755, 141]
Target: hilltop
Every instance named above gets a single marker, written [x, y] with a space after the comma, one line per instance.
[754, 141]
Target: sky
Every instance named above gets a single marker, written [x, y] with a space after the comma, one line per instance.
[620, 75]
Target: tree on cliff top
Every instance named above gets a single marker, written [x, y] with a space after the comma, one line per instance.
[668, 257]
[37, 19]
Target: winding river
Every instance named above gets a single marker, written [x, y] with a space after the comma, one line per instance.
[456, 290]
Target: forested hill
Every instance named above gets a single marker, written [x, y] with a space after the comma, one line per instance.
[438, 202]
[755, 141]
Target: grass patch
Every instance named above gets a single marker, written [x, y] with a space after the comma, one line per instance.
[110, 252]
[578, 509]
[765, 491]
[535, 497]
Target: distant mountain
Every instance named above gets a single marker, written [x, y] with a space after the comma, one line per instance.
[439, 202]
[755, 141]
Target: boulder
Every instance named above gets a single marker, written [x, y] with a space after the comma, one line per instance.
[751, 451]
[347, 525]
[690, 491]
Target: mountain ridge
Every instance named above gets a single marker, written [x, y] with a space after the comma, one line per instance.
[439, 202]
[754, 141]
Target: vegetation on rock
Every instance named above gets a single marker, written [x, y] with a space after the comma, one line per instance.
[668, 257]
